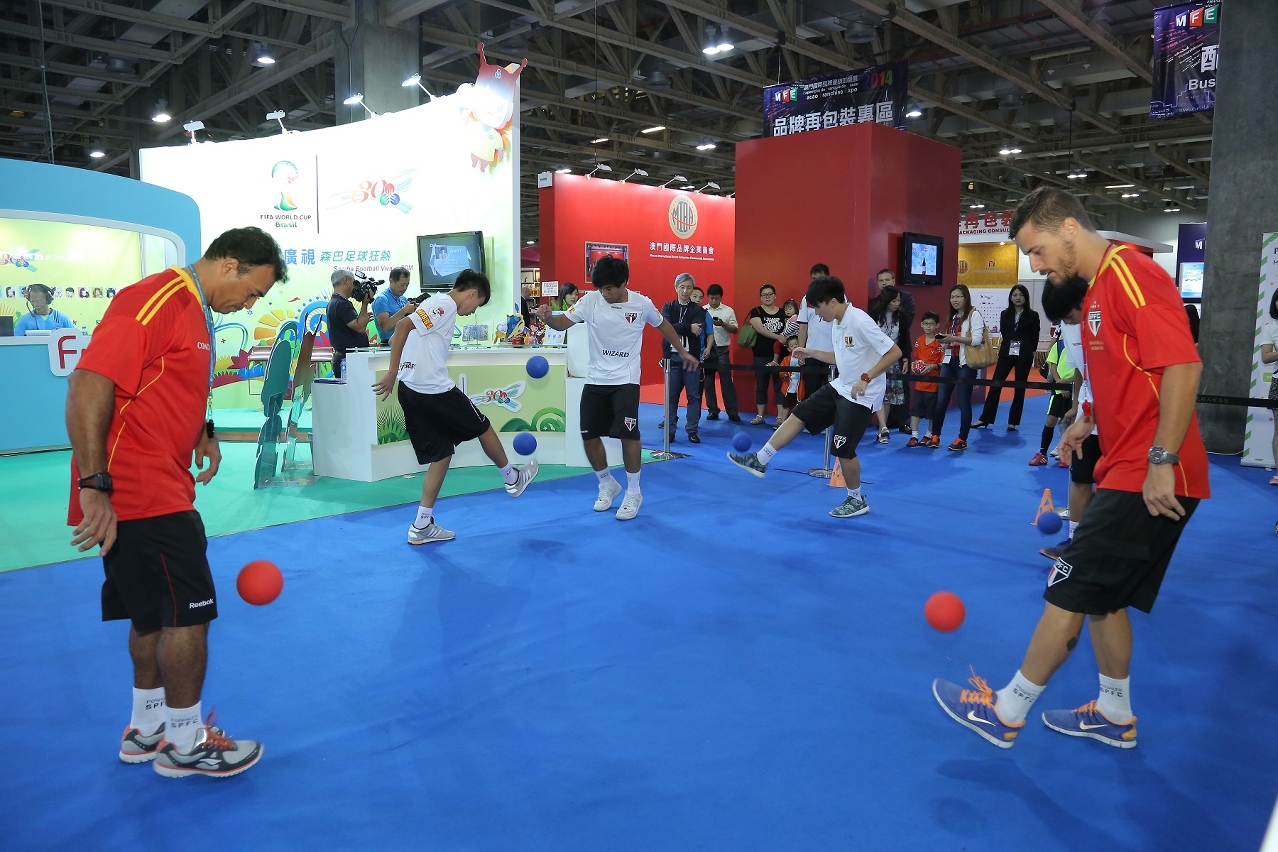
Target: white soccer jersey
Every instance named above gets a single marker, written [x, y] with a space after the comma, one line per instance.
[859, 343]
[423, 365]
[819, 334]
[616, 335]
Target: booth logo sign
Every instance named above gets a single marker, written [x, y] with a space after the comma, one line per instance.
[682, 216]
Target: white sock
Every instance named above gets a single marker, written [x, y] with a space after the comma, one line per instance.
[1115, 701]
[604, 475]
[509, 475]
[632, 482]
[1073, 525]
[424, 514]
[1016, 699]
[148, 710]
[182, 726]
[854, 492]
[766, 452]
[914, 433]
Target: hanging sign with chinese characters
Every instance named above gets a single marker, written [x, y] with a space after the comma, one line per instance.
[992, 224]
[836, 100]
[1186, 52]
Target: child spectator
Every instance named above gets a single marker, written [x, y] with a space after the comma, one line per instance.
[928, 353]
[791, 382]
[1058, 371]
[791, 311]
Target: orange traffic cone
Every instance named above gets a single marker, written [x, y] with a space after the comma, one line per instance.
[1044, 505]
[836, 476]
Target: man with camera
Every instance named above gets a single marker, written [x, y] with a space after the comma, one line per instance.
[346, 329]
[391, 305]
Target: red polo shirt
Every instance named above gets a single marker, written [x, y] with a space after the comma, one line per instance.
[153, 343]
[1134, 326]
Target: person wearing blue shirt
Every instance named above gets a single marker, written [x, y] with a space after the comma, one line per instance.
[391, 305]
[41, 317]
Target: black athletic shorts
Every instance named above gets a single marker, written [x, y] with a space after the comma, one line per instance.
[1118, 556]
[610, 411]
[1081, 470]
[923, 405]
[828, 407]
[438, 422]
[1060, 405]
[157, 573]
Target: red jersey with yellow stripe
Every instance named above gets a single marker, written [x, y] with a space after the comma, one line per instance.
[1134, 326]
[153, 343]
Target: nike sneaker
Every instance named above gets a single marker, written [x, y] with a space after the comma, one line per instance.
[214, 754]
[630, 506]
[934, 443]
[608, 492]
[750, 462]
[1088, 721]
[850, 507]
[974, 709]
[1055, 551]
[433, 532]
[524, 475]
[138, 748]
[958, 445]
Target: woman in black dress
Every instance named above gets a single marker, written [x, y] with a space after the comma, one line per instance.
[1019, 325]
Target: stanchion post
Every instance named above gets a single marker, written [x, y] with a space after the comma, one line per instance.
[667, 425]
[825, 472]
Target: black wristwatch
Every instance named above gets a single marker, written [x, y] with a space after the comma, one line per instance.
[98, 482]
[1158, 455]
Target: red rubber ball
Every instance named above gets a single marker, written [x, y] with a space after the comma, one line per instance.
[945, 611]
[260, 582]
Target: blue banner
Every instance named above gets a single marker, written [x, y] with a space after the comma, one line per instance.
[1186, 52]
[874, 95]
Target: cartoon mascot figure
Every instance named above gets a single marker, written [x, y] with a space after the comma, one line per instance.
[491, 105]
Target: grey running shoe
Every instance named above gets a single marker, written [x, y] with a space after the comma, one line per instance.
[136, 748]
[608, 492]
[214, 754]
[525, 475]
[850, 508]
[434, 532]
[750, 462]
[630, 506]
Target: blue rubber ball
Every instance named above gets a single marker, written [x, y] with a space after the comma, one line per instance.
[741, 442]
[525, 443]
[538, 366]
[1049, 523]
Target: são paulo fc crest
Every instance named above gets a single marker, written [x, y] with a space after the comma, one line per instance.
[1094, 321]
[631, 316]
[1060, 571]
[631, 423]
[839, 441]
[848, 342]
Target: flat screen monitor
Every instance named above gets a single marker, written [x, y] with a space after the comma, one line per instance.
[921, 259]
[443, 256]
[1191, 280]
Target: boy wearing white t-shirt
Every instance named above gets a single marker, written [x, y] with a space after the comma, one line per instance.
[614, 318]
[863, 354]
[437, 414]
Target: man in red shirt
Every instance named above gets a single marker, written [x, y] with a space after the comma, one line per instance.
[1143, 369]
[136, 412]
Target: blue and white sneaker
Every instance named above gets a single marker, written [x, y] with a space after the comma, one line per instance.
[974, 708]
[1054, 551]
[1088, 721]
[750, 462]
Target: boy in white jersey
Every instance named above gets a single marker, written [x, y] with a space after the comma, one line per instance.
[615, 317]
[863, 354]
[438, 415]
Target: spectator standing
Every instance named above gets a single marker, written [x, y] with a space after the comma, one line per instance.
[884, 279]
[1019, 325]
[814, 333]
[886, 311]
[718, 361]
[568, 296]
[768, 322]
[791, 382]
[966, 328]
[391, 305]
[688, 320]
[928, 353]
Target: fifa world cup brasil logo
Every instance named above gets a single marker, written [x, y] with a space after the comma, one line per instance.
[284, 174]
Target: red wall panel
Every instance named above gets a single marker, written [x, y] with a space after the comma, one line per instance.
[575, 210]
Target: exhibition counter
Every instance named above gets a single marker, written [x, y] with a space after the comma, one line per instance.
[33, 378]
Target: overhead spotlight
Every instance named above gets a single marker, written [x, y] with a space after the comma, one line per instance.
[563, 170]
[653, 129]
[914, 111]
[1171, 209]
[261, 58]
[1131, 195]
[1120, 186]
[600, 167]
[599, 141]
[710, 185]
[687, 186]
[97, 153]
[706, 146]
[161, 112]
[977, 206]
[680, 178]
[1076, 173]
[711, 45]
[530, 242]
[1009, 151]
[639, 172]
[725, 41]
[416, 80]
[358, 98]
[278, 115]
[192, 126]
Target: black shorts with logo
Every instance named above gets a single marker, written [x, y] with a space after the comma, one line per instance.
[610, 411]
[1118, 555]
[1060, 404]
[828, 407]
[157, 573]
[438, 422]
[1082, 470]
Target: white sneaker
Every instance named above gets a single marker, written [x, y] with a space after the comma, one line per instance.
[433, 532]
[524, 475]
[630, 506]
[608, 492]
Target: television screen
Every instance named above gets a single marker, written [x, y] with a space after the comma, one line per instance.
[921, 259]
[442, 256]
[1191, 280]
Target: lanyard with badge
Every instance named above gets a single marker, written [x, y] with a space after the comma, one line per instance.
[208, 322]
[1014, 346]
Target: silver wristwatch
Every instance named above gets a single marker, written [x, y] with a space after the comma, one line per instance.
[1158, 455]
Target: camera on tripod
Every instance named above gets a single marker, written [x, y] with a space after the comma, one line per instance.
[365, 287]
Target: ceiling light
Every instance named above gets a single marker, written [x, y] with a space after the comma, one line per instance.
[1003, 152]
[914, 112]
[711, 45]
[599, 140]
[530, 242]
[706, 146]
[161, 112]
[1120, 186]
[261, 58]
[357, 98]
[97, 153]
[1131, 195]
[416, 80]
[653, 129]
[1171, 209]
[725, 42]
[976, 206]
[564, 171]
[687, 186]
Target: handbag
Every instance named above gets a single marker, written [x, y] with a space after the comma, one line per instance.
[747, 336]
[981, 355]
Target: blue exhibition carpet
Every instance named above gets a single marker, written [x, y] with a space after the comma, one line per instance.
[734, 670]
